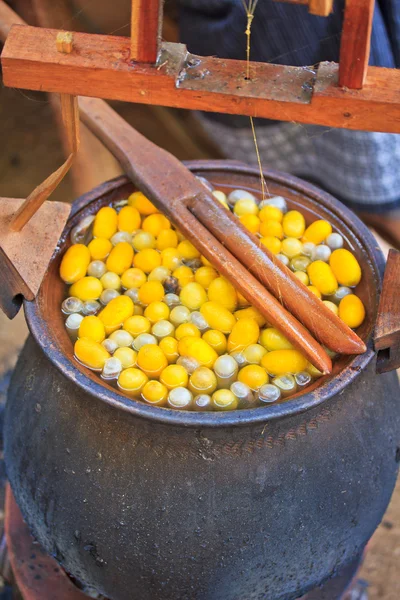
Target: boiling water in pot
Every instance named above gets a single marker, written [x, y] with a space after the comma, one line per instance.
[152, 316]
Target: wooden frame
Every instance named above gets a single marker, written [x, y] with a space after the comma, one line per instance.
[142, 70]
[99, 66]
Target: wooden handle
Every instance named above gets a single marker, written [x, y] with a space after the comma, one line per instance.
[101, 68]
[39, 195]
[387, 330]
[154, 171]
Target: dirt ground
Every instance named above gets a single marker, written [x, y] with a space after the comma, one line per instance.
[30, 151]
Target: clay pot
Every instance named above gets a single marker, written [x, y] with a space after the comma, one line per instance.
[146, 503]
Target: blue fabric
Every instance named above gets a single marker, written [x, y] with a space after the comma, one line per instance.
[282, 34]
[360, 167]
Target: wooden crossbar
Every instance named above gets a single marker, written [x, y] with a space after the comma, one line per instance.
[100, 66]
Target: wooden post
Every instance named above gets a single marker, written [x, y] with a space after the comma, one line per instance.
[355, 44]
[146, 24]
[30, 61]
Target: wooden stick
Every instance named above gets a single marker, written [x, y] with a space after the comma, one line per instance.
[93, 164]
[70, 117]
[146, 23]
[35, 200]
[100, 68]
[355, 43]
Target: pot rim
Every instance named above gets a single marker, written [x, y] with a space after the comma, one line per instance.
[324, 391]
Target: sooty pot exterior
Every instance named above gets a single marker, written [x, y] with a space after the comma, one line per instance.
[143, 504]
[144, 510]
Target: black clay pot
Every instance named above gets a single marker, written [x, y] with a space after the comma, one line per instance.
[146, 503]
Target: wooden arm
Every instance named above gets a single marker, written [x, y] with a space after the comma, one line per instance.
[100, 67]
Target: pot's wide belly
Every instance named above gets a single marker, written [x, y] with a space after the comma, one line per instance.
[148, 511]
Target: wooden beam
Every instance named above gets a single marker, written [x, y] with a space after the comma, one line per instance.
[38, 196]
[99, 66]
[355, 43]
[146, 23]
